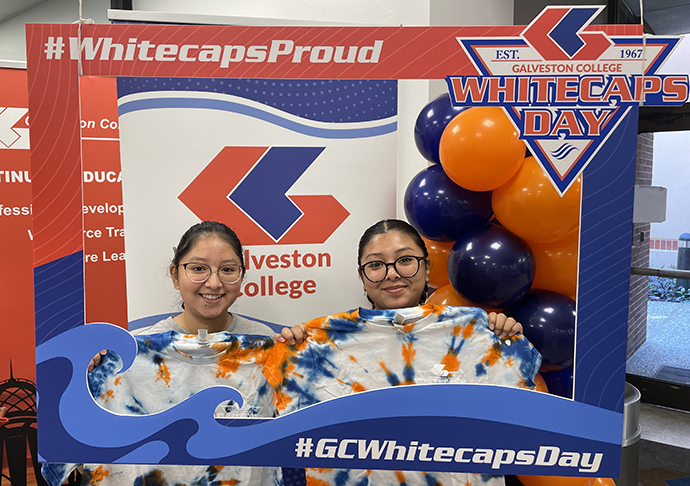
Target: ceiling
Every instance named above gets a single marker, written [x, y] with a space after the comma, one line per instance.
[661, 16]
[11, 8]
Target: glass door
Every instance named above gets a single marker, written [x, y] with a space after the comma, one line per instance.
[660, 363]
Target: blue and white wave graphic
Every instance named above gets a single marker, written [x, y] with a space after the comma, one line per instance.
[325, 100]
[242, 106]
[563, 151]
[74, 428]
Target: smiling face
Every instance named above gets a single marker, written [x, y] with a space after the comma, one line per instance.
[206, 304]
[394, 292]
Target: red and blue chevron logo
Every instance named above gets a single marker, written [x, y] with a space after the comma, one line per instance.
[557, 34]
[246, 188]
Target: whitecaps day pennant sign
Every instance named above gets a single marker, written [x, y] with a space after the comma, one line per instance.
[566, 86]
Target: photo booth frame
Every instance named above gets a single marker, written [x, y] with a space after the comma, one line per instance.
[558, 441]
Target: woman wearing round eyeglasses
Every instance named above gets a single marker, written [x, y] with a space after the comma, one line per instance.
[207, 268]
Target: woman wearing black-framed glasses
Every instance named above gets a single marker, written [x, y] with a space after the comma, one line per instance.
[393, 265]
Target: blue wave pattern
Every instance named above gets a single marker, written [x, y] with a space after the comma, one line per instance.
[74, 428]
[604, 281]
[230, 106]
[168, 369]
[563, 151]
[364, 350]
[59, 296]
[337, 101]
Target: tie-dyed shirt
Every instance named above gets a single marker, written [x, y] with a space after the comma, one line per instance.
[367, 349]
[169, 368]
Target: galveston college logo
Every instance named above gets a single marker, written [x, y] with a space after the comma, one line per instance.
[567, 86]
[14, 128]
[246, 188]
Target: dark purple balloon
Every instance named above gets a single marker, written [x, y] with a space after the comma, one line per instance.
[559, 382]
[548, 321]
[491, 266]
[440, 209]
[430, 124]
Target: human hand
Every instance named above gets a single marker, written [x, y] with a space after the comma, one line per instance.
[294, 335]
[503, 325]
[96, 360]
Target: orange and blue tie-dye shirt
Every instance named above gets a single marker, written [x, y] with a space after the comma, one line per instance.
[169, 368]
[366, 349]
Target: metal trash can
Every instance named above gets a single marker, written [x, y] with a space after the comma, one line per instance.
[630, 457]
[683, 260]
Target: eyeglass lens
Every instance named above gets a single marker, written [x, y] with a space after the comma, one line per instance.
[200, 272]
[405, 266]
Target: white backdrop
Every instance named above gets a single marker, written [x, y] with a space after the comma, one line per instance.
[164, 149]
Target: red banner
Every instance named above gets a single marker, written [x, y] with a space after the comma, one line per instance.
[104, 239]
[16, 283]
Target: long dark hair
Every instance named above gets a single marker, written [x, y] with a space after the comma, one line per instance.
[402, 227]
[203, 230]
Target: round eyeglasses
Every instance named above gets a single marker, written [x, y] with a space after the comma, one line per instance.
[406, 266]
[200, 272]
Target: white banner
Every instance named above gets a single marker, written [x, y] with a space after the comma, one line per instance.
[297, 168]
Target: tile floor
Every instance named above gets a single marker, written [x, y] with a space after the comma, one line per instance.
[665, 444]
[668, 340]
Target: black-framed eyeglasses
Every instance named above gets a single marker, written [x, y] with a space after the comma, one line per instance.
[406, 266]
[200, 272]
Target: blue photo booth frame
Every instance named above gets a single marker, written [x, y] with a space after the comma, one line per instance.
[563, 437]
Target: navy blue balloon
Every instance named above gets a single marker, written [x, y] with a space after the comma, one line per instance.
[440, 209]
[559, 382]
[491, 266]
[512, 480]
[431, 122]
[548, 321]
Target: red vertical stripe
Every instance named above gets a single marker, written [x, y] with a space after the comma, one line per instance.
[55, 145]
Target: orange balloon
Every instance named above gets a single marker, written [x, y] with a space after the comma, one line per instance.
[480, 149]
[530, 207]
[601, 482]
[541, 384]
[438, 258]
[557, 265]
[447, 295]
[553, 481]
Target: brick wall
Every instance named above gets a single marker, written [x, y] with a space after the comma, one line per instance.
[668, 244]
[637, 317]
